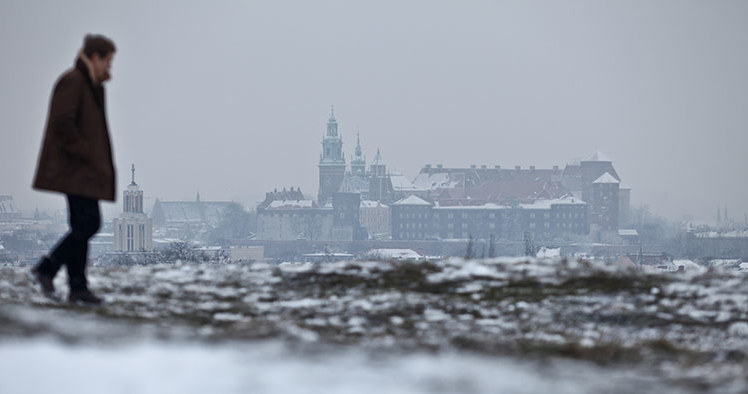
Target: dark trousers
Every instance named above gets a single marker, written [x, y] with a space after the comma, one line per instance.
[72, 249]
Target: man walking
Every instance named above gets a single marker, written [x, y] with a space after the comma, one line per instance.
[76, 160]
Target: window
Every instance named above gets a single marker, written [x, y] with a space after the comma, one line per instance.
[130, 238]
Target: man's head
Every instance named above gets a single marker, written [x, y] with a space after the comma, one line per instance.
[100, 51]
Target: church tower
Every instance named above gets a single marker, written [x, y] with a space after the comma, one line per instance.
[133, 230]
[331, 162]
[358, 164]
[380, 184]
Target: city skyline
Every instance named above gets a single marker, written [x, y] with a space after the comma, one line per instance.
[236, 107]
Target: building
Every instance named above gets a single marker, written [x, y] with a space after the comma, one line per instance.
[380, 184]
[346, 206]
[411, 218]
[133, 230]
[604, 203]
[288, 215]
[416, 218]
[375, 218]
[510, 187]
[8, 210]
[331, 162]
[184, 214]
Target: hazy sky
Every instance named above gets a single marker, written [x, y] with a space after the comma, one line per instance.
[231, 97]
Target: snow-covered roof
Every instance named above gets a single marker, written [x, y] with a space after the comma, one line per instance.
[487, 206]
[291, 204]
[728, 234]
[412, 200]
[433, 181]
[606, 178]
[546, 204]
[398, 254]
[598, 156]
[546, 253]
[372, 204]
[401, 184]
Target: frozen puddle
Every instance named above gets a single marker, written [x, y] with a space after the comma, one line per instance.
[46, 366]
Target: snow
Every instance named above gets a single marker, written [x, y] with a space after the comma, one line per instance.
[725, 234]
[628, 233]
[606, 178]
[547, 204]
[401, 184]
[412, 200]
[156, 367]
[451, 325]
[434, 181]
[545, 253]
[486, 206]
[290, 204]
[394, 254]
[372, 204]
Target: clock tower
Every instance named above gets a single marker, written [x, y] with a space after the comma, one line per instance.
[331, 162]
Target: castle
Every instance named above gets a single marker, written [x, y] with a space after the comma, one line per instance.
[443, 203]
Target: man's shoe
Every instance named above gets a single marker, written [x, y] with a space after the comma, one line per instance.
[84, 297]
[45, 283]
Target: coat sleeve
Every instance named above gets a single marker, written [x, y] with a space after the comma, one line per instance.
[66, 103]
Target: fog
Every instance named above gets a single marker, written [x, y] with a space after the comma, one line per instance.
[230, 99]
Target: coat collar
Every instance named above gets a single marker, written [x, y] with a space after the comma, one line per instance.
[84, 64]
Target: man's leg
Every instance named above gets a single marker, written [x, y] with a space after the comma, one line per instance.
[46, 270]
[85, 220]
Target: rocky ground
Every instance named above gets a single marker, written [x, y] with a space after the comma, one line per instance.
[502, 324]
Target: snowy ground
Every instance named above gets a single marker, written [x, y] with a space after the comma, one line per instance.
[499, 325]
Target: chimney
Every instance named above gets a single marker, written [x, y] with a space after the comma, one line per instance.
[532, 168]
[555, 168]
[483, 166]
[428, 166]
[472, 166]
[439, 166]
[517, 168]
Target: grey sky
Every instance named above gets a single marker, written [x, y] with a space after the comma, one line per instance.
[231, 98]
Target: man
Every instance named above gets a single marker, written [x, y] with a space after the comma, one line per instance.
[76, 160]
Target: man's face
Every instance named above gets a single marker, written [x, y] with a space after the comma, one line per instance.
[101, 65]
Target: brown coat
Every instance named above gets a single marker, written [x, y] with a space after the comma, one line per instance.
[76, 155]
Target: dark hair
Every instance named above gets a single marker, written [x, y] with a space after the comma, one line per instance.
[96, 43]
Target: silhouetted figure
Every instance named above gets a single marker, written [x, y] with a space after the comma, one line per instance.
[76, 159]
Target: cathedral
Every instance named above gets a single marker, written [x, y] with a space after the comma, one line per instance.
[377, 184]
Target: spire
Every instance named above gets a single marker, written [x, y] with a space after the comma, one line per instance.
[358, 145]
[378, 158]
[133, 175]
[332, 124]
